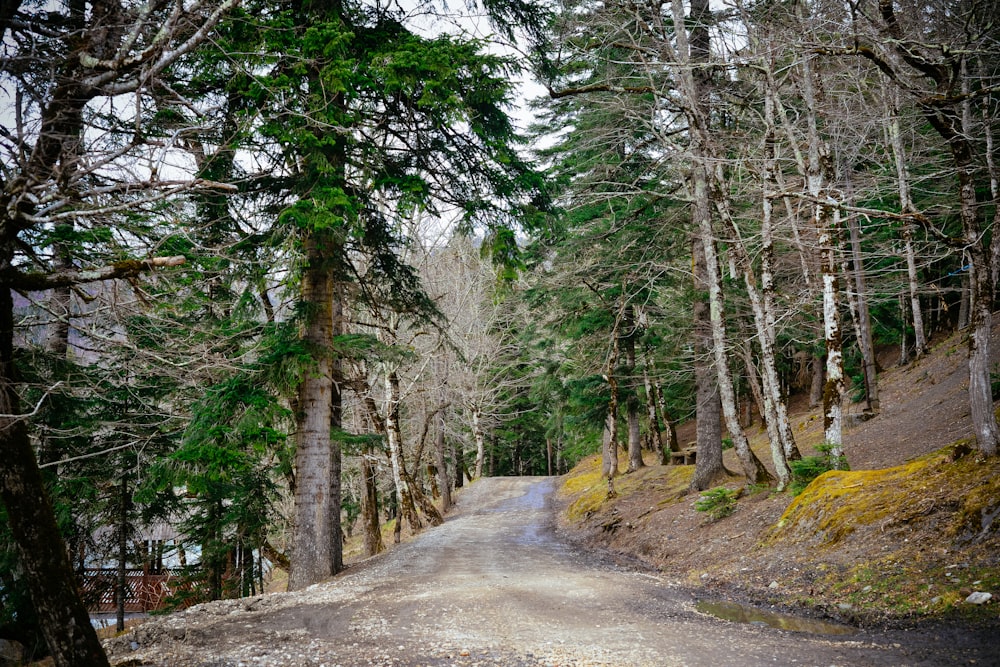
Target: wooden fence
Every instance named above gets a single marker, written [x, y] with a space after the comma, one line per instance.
[144, 592]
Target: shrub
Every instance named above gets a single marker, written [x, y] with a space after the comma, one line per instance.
[808, 468]
[718, 502]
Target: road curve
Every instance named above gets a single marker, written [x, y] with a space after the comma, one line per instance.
[495, 585]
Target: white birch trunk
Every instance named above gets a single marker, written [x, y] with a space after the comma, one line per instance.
[833, 389]
[752, 468]
[905, 205]
[480, 438]
[394, 439]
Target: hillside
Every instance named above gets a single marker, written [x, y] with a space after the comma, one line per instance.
[907, 534]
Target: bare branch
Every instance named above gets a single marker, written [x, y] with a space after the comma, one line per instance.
[38, 405]
[127, 269]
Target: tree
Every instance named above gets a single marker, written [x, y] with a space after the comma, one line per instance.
[374, 121]
[941, 57]
[65, 165]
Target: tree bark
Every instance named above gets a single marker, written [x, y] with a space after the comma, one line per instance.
[63, 618]
[628, 335]
[669, 424]
[905, 205]
[709, 468]
[480, 438]
[444, 480]
[863, 317]
[369, 507]
[312, 537]
[610, 458]
[753, 469]
[833, 388]
[655, 433]
[404, 495]
[826, 220]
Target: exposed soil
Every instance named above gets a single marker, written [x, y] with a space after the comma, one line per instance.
[529, 571]
[908, 552]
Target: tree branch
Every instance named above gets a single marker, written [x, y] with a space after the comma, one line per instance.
[598, 88]
[906, 216]
[33, 282]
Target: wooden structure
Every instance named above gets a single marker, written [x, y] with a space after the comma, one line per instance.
[144, 591]
[686, 456]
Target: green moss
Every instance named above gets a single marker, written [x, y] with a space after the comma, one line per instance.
[838, 503]
[588, 488]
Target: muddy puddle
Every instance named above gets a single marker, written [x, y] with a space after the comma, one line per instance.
[739, 613]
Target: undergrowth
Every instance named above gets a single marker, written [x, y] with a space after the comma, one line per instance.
[808, 468]
[717, 503]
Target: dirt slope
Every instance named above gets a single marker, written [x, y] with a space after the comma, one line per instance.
[909, 534]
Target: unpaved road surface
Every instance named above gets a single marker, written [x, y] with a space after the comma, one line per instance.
[496, 586]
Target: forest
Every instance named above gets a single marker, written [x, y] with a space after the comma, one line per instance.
[276, 273]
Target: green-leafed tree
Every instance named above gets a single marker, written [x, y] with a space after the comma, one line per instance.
[370, 121]
[80, 174]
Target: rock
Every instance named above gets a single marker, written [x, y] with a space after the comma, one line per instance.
[845, 606]
[936, 599]
[773, 585]
[979, 597]
[11, 652]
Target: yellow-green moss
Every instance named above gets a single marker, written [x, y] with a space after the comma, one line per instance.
[588, 488]
[837, 503]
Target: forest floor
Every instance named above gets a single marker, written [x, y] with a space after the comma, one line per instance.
[902, 540]
[549, 571]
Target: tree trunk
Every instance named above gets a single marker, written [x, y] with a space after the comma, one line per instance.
[46, 568]
[905, 205]
[480, 438]
[753, 469]
[336, 530]
[628, 335]
[833, 388]
[913, 282]
[826, 220]
[458, 456]
[655, 433]
[610, 458]
[863, 318]
[708, 464]
[404, 495]
[369, 507]
[312, 539]
[904, 351]
[669, 424]
[984, 421]
[444, 481]
[765, 314]
[121, 586]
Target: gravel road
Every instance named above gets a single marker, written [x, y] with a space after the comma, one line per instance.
[495, 585]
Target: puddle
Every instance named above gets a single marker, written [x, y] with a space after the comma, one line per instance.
[733, 611]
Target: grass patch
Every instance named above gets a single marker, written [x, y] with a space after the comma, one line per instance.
[908, 588]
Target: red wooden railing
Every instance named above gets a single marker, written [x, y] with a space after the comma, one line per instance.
[143, 591]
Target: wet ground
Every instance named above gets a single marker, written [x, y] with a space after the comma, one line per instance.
[495, 585]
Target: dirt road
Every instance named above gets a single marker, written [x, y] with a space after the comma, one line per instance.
[496, 586]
